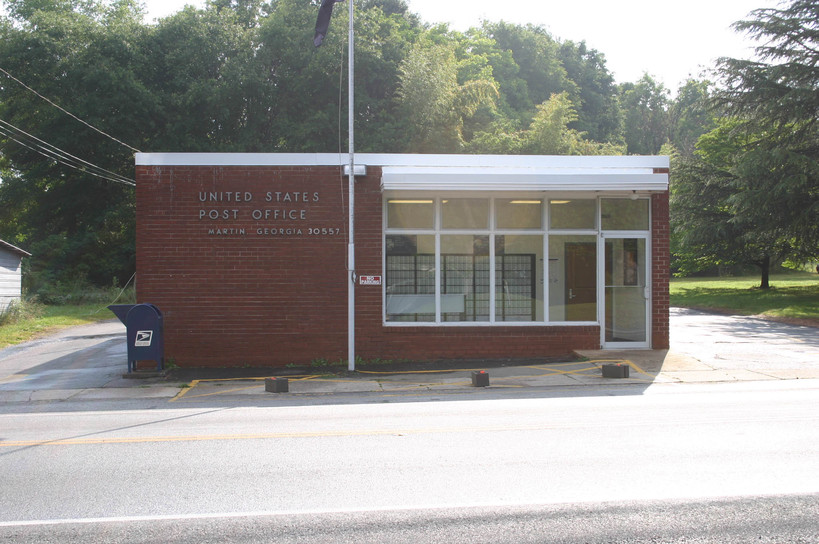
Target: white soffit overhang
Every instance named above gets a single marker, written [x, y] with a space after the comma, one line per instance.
[521, 179]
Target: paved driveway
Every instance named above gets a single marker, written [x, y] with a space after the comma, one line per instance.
[86, 356]
[745, 343]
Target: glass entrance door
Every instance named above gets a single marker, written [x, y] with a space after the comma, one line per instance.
[626, 291]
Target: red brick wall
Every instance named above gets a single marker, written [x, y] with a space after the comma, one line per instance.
[660, 266]
[234, 299]
[243, 299]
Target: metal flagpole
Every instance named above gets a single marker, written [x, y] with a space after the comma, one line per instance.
[351, 190]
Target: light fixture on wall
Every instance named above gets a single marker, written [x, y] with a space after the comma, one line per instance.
[633, 195]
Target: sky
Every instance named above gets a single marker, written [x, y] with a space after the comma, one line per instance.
[670, 41]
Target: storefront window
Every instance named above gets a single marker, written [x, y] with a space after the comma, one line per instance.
[624, 214]
[518, 214]
[410, 278]
[464, 278]
[572, 278]
[437, 271]
[518, 285]
[572, 214]
[411, 214]
[465, 213]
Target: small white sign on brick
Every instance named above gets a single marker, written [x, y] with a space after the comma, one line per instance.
[369, 280]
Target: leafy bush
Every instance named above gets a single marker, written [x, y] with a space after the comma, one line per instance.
[20, 310]
[79, 291]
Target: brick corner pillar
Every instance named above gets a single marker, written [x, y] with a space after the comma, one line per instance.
[660, 270]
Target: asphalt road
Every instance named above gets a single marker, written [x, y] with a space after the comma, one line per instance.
[267, 465]
[762, 520]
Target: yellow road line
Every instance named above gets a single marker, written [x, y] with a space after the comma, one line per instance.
[183, 392]
[220, 392]
[398, 372]
[13, 378]
[275, 435]
[394, 372]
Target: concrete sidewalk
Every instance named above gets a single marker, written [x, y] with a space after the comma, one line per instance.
[646, 367]
[87, 363]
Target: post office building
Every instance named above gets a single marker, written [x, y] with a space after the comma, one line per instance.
[456, 256]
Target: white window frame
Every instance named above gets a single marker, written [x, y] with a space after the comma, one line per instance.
[545, 232]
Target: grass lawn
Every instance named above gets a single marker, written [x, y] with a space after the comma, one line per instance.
[792, 296]
[49, 319]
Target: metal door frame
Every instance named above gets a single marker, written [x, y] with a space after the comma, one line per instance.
[601, 282]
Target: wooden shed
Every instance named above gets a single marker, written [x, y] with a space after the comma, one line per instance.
[11, 258]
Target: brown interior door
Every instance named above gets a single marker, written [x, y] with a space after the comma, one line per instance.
[581, 281]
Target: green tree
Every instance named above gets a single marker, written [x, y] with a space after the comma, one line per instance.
[525, 62]
[773, 144]
[736, 201]
[435, 102]
[645, 110]
[548, 134]
[690, 116]
[777, 92]
[78, 226]
[598, 114]
[209, 95]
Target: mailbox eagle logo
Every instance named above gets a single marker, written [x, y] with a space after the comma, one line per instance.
[143, 338]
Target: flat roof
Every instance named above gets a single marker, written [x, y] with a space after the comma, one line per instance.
[400, 159]
[427, 172]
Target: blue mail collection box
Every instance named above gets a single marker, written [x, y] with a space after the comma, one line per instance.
[144, 333]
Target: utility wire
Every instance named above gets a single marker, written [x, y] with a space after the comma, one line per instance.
[56, 159]
[50, 151]
[63, 156]
[68, 112]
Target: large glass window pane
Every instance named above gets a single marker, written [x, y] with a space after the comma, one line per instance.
[411, 214]
[464, 278]
[518, 214]
[465, 213]
[572, 278]
[410, 278]
[572, 214]
[518, 281]
[624, 214]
